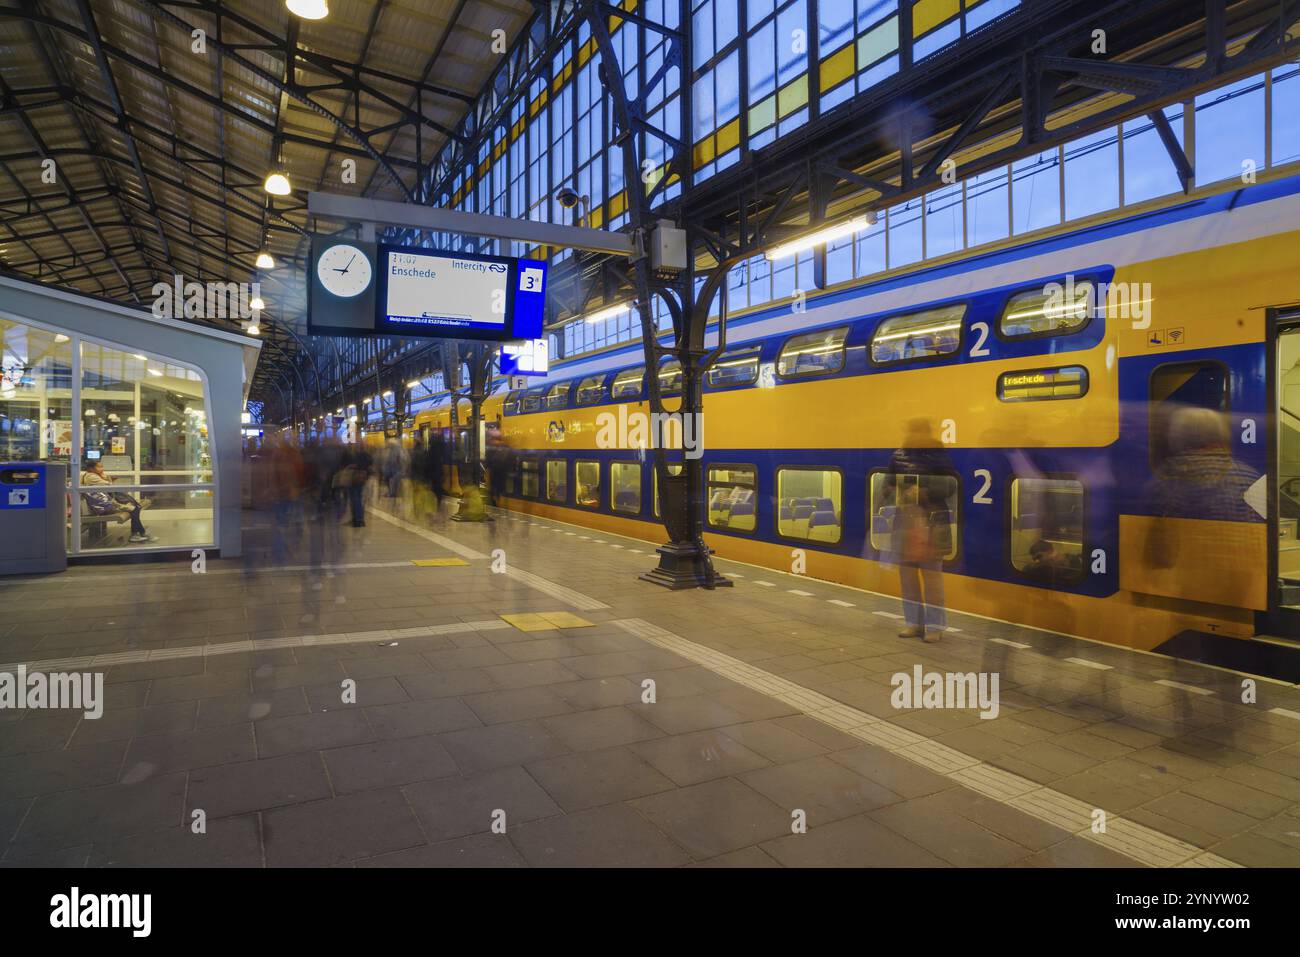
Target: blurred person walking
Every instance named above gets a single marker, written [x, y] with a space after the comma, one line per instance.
[352, 478]
[435, 463]
[919, 536]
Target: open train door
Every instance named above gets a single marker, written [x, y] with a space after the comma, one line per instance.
[1283, 616]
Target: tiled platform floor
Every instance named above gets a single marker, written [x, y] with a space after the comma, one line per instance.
[224, 696]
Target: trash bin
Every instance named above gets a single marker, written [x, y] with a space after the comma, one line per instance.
[32, 517]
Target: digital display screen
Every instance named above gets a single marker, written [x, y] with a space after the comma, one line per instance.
[428, 293]
[1069, 382]
[366, 289]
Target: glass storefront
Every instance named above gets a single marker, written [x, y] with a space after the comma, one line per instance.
[140, 466]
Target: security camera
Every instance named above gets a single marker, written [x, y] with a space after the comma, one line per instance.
[568, 197]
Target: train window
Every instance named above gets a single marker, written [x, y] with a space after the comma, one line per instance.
[739, 367]
[814, 353]
[1067, 382]
[1054, 310]
[627, 384]
[1177, 387]
[625, 486]
[531, 401]
[586, 479]
[1047, 529]
[918, 335]
[528, 481]
[809, 504]
[511, 405]
[674, 468]
[732, 499]
[591, 390]
[670, 377]
[910, 502]
[558, 397]
[557, 480]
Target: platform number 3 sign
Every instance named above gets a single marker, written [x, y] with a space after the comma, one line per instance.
[530, 280]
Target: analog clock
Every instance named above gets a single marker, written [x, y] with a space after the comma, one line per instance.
[344, 271]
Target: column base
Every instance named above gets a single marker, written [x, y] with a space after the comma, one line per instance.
[682, 566]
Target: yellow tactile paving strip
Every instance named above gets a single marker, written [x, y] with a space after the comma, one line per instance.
[438, 562]
[545, 620]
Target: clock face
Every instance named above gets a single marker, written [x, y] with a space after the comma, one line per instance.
[344, 270]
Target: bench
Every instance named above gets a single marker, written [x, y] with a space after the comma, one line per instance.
[97, 529]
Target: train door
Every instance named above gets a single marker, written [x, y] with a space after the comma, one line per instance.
[1284, 478]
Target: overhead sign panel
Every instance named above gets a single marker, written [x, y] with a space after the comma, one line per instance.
[359, 289]
[524, 358]
[425, 292]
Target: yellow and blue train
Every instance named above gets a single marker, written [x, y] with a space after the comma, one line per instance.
[1042, 377]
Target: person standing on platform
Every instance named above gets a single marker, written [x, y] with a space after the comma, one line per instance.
[434, 464]
[357, 466]
[915, 468]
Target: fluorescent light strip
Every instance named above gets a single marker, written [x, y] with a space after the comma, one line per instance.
[822, 236]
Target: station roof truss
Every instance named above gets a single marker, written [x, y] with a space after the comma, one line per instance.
[162, 151]
[162, 135]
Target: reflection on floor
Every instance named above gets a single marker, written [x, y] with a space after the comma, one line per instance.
[356, 703]
[1280, 660]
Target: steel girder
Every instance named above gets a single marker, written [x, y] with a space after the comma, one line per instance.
[1008, 80]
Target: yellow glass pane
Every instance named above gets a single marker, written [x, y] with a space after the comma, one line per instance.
[762, 115]
[729, 136]
[928, 14]
[793, 96]
[705, 150]
[837, 68]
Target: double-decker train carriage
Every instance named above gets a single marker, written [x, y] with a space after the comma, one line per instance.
[1104, 412]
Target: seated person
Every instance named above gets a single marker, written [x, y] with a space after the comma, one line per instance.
[103, 502]
[1047, 564]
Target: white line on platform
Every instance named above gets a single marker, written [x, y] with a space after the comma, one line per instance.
[1285, 712]
[1135, 841]
[1182, 687]
[795, 591]
[453, 546]
[566, 595]
[1011, 644]
[1090, 664]
[888, 614]
[765, 584]
[842, 604]
[259, 644]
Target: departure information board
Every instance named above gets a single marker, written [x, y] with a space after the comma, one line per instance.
[423, 293]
